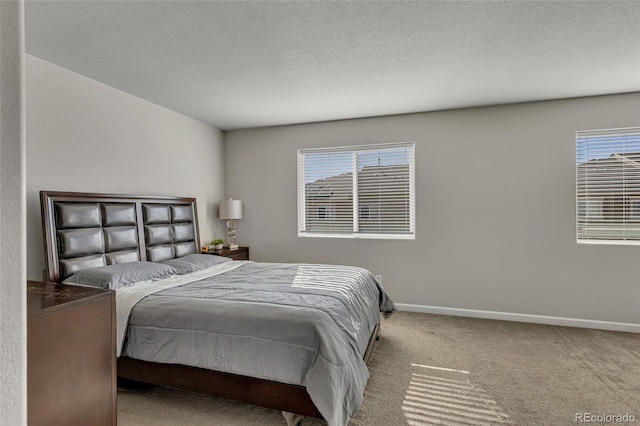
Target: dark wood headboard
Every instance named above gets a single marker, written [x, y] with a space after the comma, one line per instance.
[85, 230]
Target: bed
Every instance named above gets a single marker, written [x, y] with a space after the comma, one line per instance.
[293, 337]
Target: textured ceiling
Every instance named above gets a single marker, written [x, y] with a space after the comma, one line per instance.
[243, 64]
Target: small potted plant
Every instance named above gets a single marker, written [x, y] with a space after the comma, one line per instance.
[217, 244]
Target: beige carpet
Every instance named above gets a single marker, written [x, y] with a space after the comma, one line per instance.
[433, 369]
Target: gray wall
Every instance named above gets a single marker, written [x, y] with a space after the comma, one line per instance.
[495, 209]
[85, 136]
[13, 333]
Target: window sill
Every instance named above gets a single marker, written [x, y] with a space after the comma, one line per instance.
[361, 236]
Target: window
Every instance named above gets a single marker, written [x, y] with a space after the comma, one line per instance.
[326, 212]
[590, 209]
[369, 211]
[635, 209]
[608, 186]
[357, 191]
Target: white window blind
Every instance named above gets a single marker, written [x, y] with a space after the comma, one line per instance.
[608, 186]
[357, 192]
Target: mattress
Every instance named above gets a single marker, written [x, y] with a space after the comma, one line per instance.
[301, 324]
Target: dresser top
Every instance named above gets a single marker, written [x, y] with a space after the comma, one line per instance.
[44, 296]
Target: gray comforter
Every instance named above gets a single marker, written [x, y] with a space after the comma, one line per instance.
[301, 324]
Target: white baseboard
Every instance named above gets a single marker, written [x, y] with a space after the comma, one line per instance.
[508, 316]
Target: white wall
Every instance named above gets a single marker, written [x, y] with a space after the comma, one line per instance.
[13, 335]
[495, 209]
[85, 136]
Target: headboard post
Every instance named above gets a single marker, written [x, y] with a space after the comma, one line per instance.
[49, 236]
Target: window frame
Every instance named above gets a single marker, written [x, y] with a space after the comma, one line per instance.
[616, 223]
[355, 233]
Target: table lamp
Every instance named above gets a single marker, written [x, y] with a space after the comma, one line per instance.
[230, 210]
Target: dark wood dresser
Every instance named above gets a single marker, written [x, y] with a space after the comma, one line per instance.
[71, 362]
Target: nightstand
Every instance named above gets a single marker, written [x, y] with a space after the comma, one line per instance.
[242, 253]
[71, 357]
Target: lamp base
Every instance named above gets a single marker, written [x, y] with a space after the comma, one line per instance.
[233, 247]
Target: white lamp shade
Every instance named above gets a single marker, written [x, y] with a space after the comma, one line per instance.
[230, 209]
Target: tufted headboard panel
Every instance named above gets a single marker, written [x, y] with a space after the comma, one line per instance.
[86, 230]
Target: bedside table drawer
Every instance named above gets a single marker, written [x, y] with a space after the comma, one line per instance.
[242, 253]
[239, 256]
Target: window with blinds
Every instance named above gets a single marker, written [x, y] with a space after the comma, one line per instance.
[357, 192]
[608, 186]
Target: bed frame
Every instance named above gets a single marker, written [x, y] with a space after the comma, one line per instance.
[83, 230]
